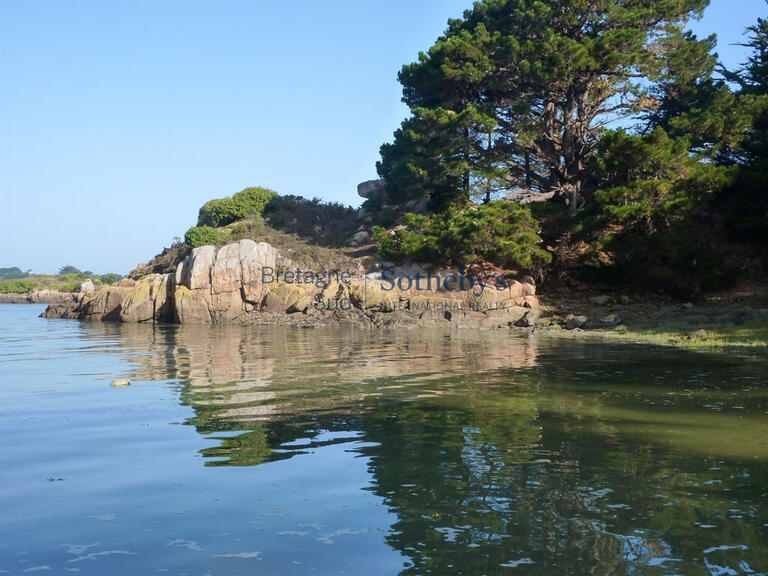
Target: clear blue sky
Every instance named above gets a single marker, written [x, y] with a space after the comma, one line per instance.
[119, 119]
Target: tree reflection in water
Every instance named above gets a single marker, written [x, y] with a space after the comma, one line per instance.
[495, 451]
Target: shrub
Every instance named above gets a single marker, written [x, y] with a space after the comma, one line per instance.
[501, 233]
[16, 286]
[110, 278]
[223, 211]
[219, 212]
[326, 223]
[252, 201]
[202, 236]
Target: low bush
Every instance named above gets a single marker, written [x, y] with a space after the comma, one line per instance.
[219, 212]
[326, 223]
[202, 236]
[253, 201]
[16, 286]
[501, 233]
[223, 211]
[110, 278]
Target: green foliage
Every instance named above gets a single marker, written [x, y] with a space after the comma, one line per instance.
[68, 285]
[224, 211]
[501, 233]
[11, 273]
[434, 157]
[647, 222]
[753, 75]
[68, 282]
[654, 181]
[219, 212]
[16, 286]
[745, 204]
[382, 213]
[202, 236]
[325, 223]
[68, 269]
[516, 94]
[110, 278]
[252, 201]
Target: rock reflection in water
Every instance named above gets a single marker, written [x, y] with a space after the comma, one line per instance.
[497, 453]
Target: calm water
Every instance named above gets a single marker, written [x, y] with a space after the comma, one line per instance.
[281, 451]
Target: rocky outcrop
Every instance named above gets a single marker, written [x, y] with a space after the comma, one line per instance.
[87, 286]
[247, 282]
[369, 188]
[211, 286]
[221, 285]
[148, 300]
[38, 297]
[359, 238]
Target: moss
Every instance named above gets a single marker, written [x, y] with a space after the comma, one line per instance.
[696, 335]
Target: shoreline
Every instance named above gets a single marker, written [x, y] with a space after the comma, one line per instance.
[38, 297]
[717, 336]
[720, 327]
[250, 283]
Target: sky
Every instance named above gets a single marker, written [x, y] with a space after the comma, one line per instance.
[119, 119]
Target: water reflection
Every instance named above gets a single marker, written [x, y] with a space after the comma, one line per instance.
[496, 453]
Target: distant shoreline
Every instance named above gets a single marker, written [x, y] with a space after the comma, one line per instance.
[37, 297]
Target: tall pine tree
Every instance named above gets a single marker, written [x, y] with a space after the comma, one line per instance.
[545, 79]
[746, 203]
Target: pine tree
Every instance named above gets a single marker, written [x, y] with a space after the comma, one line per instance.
[690, 103]
[753, 79]
[551, 74]
[434, 157]
[746, 203]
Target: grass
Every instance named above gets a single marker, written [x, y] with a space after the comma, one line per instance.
[695, 333]
[301, 251]
[59, 282]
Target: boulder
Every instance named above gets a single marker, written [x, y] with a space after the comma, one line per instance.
[601, 300]
[149, 300]
[611, 320]
[87, 286]
[529, 319]
[222, 285]
[190, 307]
[197, 274]
[400, 319]
[572, 322]
[66, 310]
[359, 238]
[104, 304]
[370, 187]
[137, 306]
